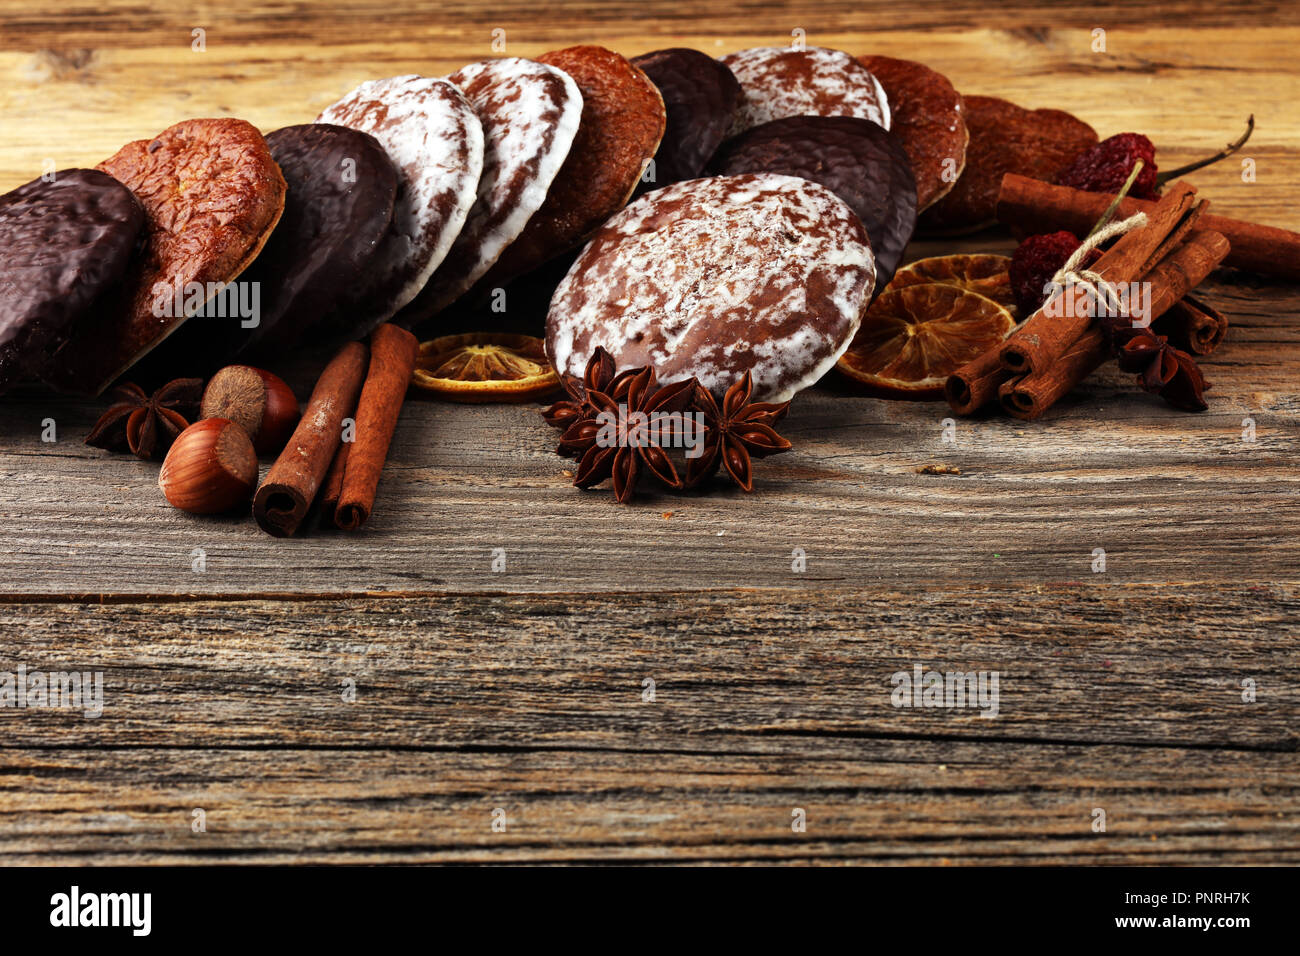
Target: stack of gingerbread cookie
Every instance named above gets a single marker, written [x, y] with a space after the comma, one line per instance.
[778, 188]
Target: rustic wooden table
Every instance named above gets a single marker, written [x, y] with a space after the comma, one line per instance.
[524, 690]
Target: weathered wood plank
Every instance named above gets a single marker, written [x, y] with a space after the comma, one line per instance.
[761, 704]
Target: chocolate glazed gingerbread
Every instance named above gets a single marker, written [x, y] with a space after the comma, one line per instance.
[64, 244]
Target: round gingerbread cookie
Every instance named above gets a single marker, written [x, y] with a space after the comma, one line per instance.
[435, 140]
[854, 158]
[716, 277]
[64, 243]
[781, 81]
[530, 113]
[622, 123]
[211, 195]
[342, 187]
[1004, 138]
[700, 96]
[928, 116]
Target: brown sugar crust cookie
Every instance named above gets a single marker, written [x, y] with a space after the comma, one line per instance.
[700, 96]
[928, 116]
[716, 277]
[780, 81]
[622, 123]
[211, 194]
[530, 114]
[1004, 138]
[65, 243]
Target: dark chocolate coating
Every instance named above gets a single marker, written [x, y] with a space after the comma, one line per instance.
[700, 95]
[854, 158]
[63, 245]
[342, 186]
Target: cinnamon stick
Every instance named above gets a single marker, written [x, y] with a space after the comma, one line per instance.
[332, 486]
[1035, 206]
[1193, 325]
[287, 492]
[1041, 341]
[976, 383]
[1029, 396]
[392, 360]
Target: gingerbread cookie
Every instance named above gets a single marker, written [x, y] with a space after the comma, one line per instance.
[342, 187]
[435, 140]
[928, 116]
[700, 97]
[854, 158]
[530, 113]
[716, 277]
[1004, 138]
[622, 123]
[211, 195]
[65, 243]
[781, 81]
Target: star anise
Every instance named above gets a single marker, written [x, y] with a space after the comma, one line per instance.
[736, 433]
[146, 425]
[623, 439]
[600, 376]
[1163, 369]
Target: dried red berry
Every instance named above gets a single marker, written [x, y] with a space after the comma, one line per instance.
[1105, 167]
[1035, 262]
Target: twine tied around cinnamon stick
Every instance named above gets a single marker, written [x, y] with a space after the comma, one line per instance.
[1092, 282]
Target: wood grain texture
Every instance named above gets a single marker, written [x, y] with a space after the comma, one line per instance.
[522, 689]
[762, 704]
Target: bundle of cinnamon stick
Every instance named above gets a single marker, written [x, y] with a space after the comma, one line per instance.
[330, 460]
[1062, 343]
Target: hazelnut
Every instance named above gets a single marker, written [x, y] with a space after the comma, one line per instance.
[257, 401]
[210, 468]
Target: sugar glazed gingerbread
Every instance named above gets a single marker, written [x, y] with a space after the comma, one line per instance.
[928, 116]
[781, 81]
[65, 244]
[1004, 138]
[622, 123]
[854, 158]
[530, 114]
[434, 138]
[715, 277]
[211, 194]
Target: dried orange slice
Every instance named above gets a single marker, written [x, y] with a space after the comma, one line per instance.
[485, 367]
[987, 275]
[913, 338]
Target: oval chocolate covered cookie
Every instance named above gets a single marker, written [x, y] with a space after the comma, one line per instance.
[781, 81]
[211, 195]
[435, 140]
[64, 243]
[342, 186]
[717, 277]
[700, 96]
[854, 158]
[530, 113]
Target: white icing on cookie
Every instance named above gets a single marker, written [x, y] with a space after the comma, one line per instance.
[713, 277]
[435, 140]
[779, 81]
[530, 113]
